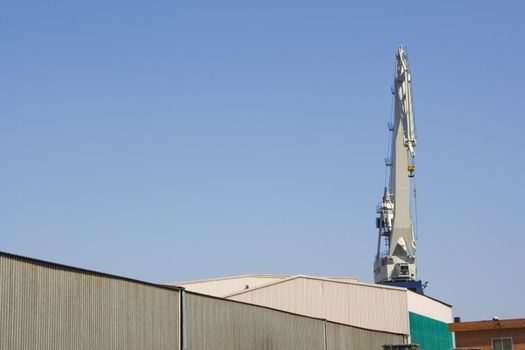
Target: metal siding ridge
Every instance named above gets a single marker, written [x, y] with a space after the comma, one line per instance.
[215, 323]
[351, 338]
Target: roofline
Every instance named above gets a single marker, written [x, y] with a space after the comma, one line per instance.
[429, 297]
[486, 325]
[57, 266]
[229, 278]
[339, 278]
[314, 278]
[366, 329]
[290, 313]
[263, 275]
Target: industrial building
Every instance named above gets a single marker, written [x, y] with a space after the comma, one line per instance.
[49, 306]
[421, 319]
[492, 334]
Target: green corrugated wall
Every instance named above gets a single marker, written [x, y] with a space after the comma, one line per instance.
[430, 334]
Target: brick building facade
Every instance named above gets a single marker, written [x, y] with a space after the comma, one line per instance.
[490, 335]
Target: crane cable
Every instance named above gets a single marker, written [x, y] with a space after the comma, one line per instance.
[415, 205]
[389, 146]
[414, 160]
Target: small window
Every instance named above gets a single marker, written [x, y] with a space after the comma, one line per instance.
[502, 343]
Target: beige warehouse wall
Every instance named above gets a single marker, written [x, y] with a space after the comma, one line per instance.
[216, 324]
[367, 306]
[341, 337]
[224, 286]
[45, 306]
[425, 306]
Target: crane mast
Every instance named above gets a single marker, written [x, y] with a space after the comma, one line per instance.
[395, 261]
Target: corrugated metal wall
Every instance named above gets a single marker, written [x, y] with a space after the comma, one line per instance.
[45, 306]
[341, 337]
[213, 324]
[366, 306]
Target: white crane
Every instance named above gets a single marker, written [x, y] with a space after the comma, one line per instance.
[395, 262]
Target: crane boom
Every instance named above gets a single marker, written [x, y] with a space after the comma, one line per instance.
[397, 261]
[404, 99]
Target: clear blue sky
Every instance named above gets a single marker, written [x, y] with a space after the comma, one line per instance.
[177, 140]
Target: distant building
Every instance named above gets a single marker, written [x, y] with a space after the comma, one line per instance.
[423, 320]
[490, 335]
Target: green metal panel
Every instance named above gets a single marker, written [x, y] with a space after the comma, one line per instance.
[430, 334]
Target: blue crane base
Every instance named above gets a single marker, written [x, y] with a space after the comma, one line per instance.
[415, 286]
